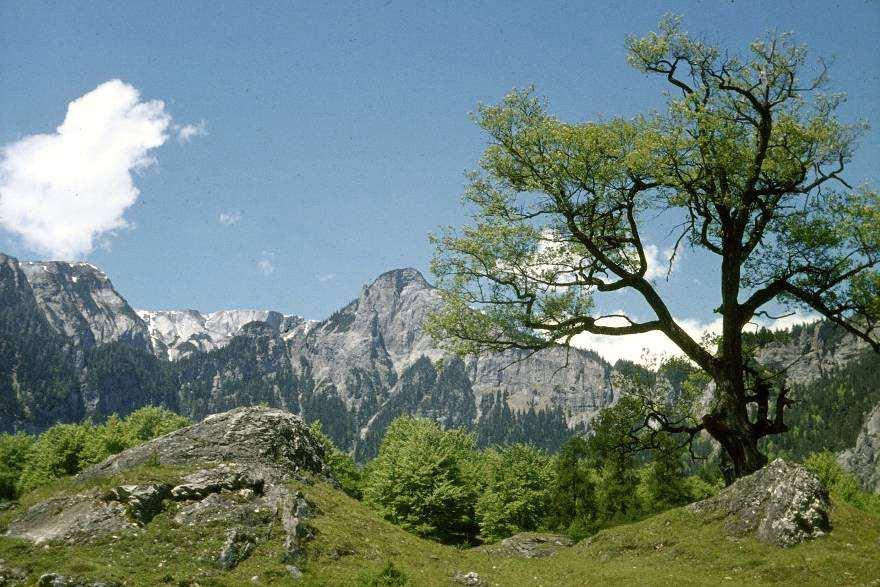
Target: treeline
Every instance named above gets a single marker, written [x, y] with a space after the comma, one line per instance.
[28, 462]
[438, 484]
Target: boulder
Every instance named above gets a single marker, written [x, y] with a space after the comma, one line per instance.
[528, 545]
[782, 504]
[249, 453]
[471, 578]
[257, 438]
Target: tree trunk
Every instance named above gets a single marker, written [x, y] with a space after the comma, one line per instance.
[728, 423]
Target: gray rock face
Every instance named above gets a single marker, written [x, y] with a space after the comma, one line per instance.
[265, 439]
[863, 460]
[72, 519]
[782, 504]
[225, 477]
[79, 301]
[362, 353]
[812, 353]
[238, 546]
[142, 502]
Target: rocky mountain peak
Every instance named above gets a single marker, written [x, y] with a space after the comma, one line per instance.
[399, 279]
[80, 302]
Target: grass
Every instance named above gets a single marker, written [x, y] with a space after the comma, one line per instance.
[352, 546]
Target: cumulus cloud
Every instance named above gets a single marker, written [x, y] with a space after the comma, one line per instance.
[327, 277]
[187, 132]
[62, 192]
[658, 262]
[229, 218]
[642, 348]
[265, 267]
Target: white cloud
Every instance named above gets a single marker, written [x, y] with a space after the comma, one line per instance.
[229, 218]
[327, 277]
[641, 348]
[265, 267]
[658, 262]
[62, 192]
[187, 132]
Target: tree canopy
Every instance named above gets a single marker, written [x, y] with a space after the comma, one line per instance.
[747, 158]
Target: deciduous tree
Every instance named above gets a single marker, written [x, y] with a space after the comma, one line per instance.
[748, 158]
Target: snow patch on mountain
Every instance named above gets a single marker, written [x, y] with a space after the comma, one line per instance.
[177, 333]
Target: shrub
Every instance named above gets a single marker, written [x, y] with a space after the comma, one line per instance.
[424, 480]
[66, 449]
[840, 482]
[13, 455]
[518, 491]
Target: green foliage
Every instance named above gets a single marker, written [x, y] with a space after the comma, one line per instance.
[841, 483]
[387, 576]
[424, 479]
[665, 482]
[518, 490]
[66, 449]
[573, 499]
[341, 464]
[14, 449]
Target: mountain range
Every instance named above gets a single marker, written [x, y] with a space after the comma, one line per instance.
[71, 347]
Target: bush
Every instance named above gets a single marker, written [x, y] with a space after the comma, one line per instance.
[14, 449]
[841, 483]
[424, 480]
[518, 492]
[66, 449]
[56, 453]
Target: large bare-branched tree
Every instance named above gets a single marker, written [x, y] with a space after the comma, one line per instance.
[748, 156]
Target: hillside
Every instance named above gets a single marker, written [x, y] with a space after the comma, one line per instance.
[352, 546]
[248, 496]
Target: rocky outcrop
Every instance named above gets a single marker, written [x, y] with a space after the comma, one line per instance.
[863, 460]
[528, 545]
[243, 461]
[782, 504]
[262, 438]
[71, 519]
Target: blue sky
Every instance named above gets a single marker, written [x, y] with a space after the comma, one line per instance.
[334, 136]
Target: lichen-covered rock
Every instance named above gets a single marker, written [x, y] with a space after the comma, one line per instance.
[294, 510]
[528, 545]
[782, 504]
[251, 452]
[142, 502]
[259, 438]
[73, 519]
[863, 460]
[238, 546]
[471, 578]
[225, 477]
